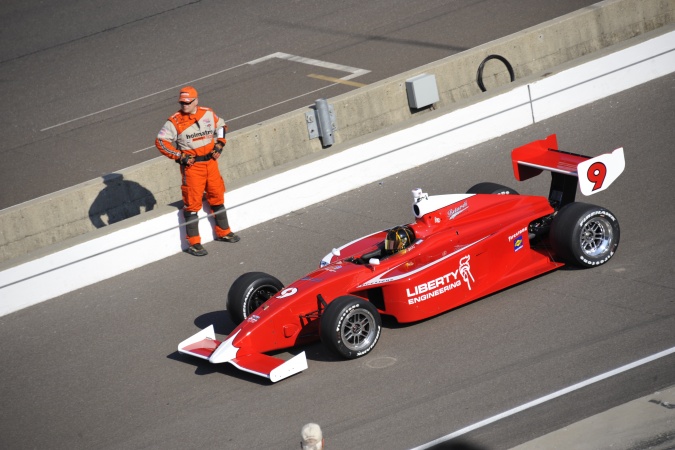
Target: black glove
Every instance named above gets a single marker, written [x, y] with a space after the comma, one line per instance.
[186, 160]
[218, 148]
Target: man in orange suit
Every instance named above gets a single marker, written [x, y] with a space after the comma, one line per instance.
[194, 137]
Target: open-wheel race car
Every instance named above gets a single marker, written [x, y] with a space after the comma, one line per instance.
[459, 248]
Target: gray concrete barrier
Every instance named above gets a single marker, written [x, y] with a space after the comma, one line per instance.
[29, 229]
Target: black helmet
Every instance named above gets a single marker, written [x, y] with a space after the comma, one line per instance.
[398, 238]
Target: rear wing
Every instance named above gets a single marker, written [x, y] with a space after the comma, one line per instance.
[567, 169]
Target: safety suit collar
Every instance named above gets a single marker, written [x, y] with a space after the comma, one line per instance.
[197, 114]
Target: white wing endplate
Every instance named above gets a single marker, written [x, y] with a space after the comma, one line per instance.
[596, 174]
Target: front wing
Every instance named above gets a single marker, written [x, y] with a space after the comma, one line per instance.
[204, 345]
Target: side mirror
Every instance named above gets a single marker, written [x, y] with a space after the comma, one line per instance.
[374, 261]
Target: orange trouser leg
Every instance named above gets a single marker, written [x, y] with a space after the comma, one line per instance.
[192, 187]
[222, 224]
[215, 196]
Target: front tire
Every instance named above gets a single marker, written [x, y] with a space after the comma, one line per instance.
[584, 235]
[250, 291]
[350, 327]
[491, 188]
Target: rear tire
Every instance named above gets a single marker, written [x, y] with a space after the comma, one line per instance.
[250, 291]
[491, 188]
[350, 327]
[584, 235]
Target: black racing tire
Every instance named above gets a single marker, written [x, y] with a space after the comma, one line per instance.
[350, 327]
[584, 235]
[491, 188]
[248, 292]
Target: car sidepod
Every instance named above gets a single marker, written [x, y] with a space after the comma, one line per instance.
[462, 254]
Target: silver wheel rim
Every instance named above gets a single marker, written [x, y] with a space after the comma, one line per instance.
[596, 237]
[260, 296]
[358, 330]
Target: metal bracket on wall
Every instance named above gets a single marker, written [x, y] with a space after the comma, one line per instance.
[321, 122]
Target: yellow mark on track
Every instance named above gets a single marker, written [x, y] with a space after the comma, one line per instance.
[336, 80]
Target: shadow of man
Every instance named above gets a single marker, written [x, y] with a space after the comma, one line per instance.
[119, 200]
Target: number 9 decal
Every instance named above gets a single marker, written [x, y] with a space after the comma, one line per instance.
[287, 292]
[596, 174]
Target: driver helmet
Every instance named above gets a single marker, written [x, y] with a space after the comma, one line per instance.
[398, 238]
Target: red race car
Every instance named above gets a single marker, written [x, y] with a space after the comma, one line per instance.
[459, 248]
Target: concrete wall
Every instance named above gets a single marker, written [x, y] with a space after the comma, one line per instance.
[31, 227]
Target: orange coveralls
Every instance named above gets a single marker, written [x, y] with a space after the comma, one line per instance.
[195, 134]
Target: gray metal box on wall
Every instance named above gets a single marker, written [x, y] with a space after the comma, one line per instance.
[422, 90]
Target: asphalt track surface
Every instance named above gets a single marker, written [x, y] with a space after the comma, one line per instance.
[98, 368]
[86, 85]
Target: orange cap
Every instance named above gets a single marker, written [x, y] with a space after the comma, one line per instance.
[187, 94]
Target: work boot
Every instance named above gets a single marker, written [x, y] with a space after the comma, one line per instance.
[230, 237]
[197, 250]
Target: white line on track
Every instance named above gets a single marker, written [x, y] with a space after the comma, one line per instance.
[281, 102]
[142, 98]
[354, 72]
[546, 398]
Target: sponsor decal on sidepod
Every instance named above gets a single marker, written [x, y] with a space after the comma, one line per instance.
[442, 284]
